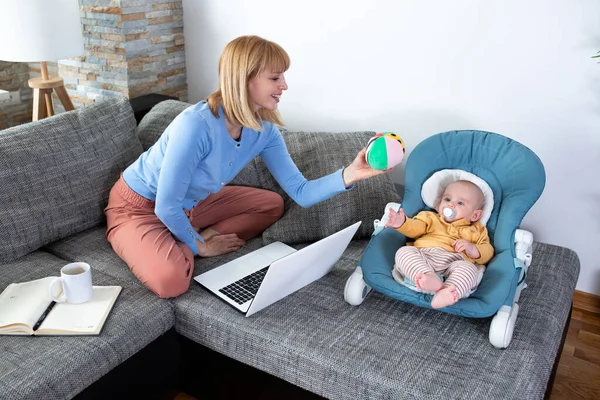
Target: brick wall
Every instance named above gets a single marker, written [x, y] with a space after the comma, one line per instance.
[14, 77]
[132, 48]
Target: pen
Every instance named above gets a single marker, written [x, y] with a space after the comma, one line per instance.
[43, 316]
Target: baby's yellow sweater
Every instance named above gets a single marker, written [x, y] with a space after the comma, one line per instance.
[431, 230]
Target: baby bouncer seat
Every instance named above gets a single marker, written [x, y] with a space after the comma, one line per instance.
[515, 179]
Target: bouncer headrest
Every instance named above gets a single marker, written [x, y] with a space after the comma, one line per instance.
[434, 188]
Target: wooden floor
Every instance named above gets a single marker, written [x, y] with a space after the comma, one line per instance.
[578, 374]
[183, 396]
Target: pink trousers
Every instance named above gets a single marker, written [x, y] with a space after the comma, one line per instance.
[160, 261]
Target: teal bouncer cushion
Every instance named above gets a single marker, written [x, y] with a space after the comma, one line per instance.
[517, 178]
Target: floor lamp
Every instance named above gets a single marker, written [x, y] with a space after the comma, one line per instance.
[41, 31]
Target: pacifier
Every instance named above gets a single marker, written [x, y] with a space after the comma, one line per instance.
[449, 213]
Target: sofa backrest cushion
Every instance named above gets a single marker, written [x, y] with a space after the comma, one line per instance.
[317, 154]
[160, 116]
[157, 119]
[56, 173]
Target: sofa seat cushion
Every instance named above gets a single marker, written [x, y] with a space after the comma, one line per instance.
[56, 173]
[389, 349]
[91, 246]
[59, 367]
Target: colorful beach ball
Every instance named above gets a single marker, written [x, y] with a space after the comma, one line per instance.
[385, 150]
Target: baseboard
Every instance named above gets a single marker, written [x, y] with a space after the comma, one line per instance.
[586, 301]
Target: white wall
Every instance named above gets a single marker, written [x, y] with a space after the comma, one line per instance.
[519, 68]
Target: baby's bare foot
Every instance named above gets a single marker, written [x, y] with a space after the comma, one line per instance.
[445, 297]
[429, 281]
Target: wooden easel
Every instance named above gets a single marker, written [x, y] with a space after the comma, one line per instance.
[42, 94]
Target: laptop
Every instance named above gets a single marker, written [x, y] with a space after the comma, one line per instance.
[262, 277]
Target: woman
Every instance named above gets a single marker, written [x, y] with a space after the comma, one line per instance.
[172, 203]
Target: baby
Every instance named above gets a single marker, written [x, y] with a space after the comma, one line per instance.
[450, 242]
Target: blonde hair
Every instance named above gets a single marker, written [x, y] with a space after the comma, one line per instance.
[241, 60]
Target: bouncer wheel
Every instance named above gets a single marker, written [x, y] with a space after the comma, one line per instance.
[356, 289]
[503, 325]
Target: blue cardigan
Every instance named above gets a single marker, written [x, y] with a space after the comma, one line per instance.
[196, 156]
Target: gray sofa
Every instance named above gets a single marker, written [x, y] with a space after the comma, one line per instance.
[56, 175]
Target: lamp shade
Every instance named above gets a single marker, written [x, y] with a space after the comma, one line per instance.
[40, 30]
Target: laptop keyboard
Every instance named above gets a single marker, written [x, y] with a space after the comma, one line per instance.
[245, 289]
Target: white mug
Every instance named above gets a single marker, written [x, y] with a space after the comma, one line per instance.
[76, 279]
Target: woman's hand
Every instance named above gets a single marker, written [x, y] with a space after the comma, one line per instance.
[219, 244]
[360, 169]
[396, 219]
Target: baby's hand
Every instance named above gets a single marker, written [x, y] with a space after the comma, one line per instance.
[463, 245]
[396, 219]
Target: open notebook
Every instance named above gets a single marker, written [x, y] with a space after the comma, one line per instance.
[27, 309]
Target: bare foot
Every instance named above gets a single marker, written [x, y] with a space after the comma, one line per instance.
[220, 244]
[445, 297]
[208, 233]
[429, 281]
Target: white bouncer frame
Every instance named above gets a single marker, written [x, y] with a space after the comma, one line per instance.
[503, 323]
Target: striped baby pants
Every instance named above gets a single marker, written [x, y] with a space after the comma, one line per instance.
[412, 261]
